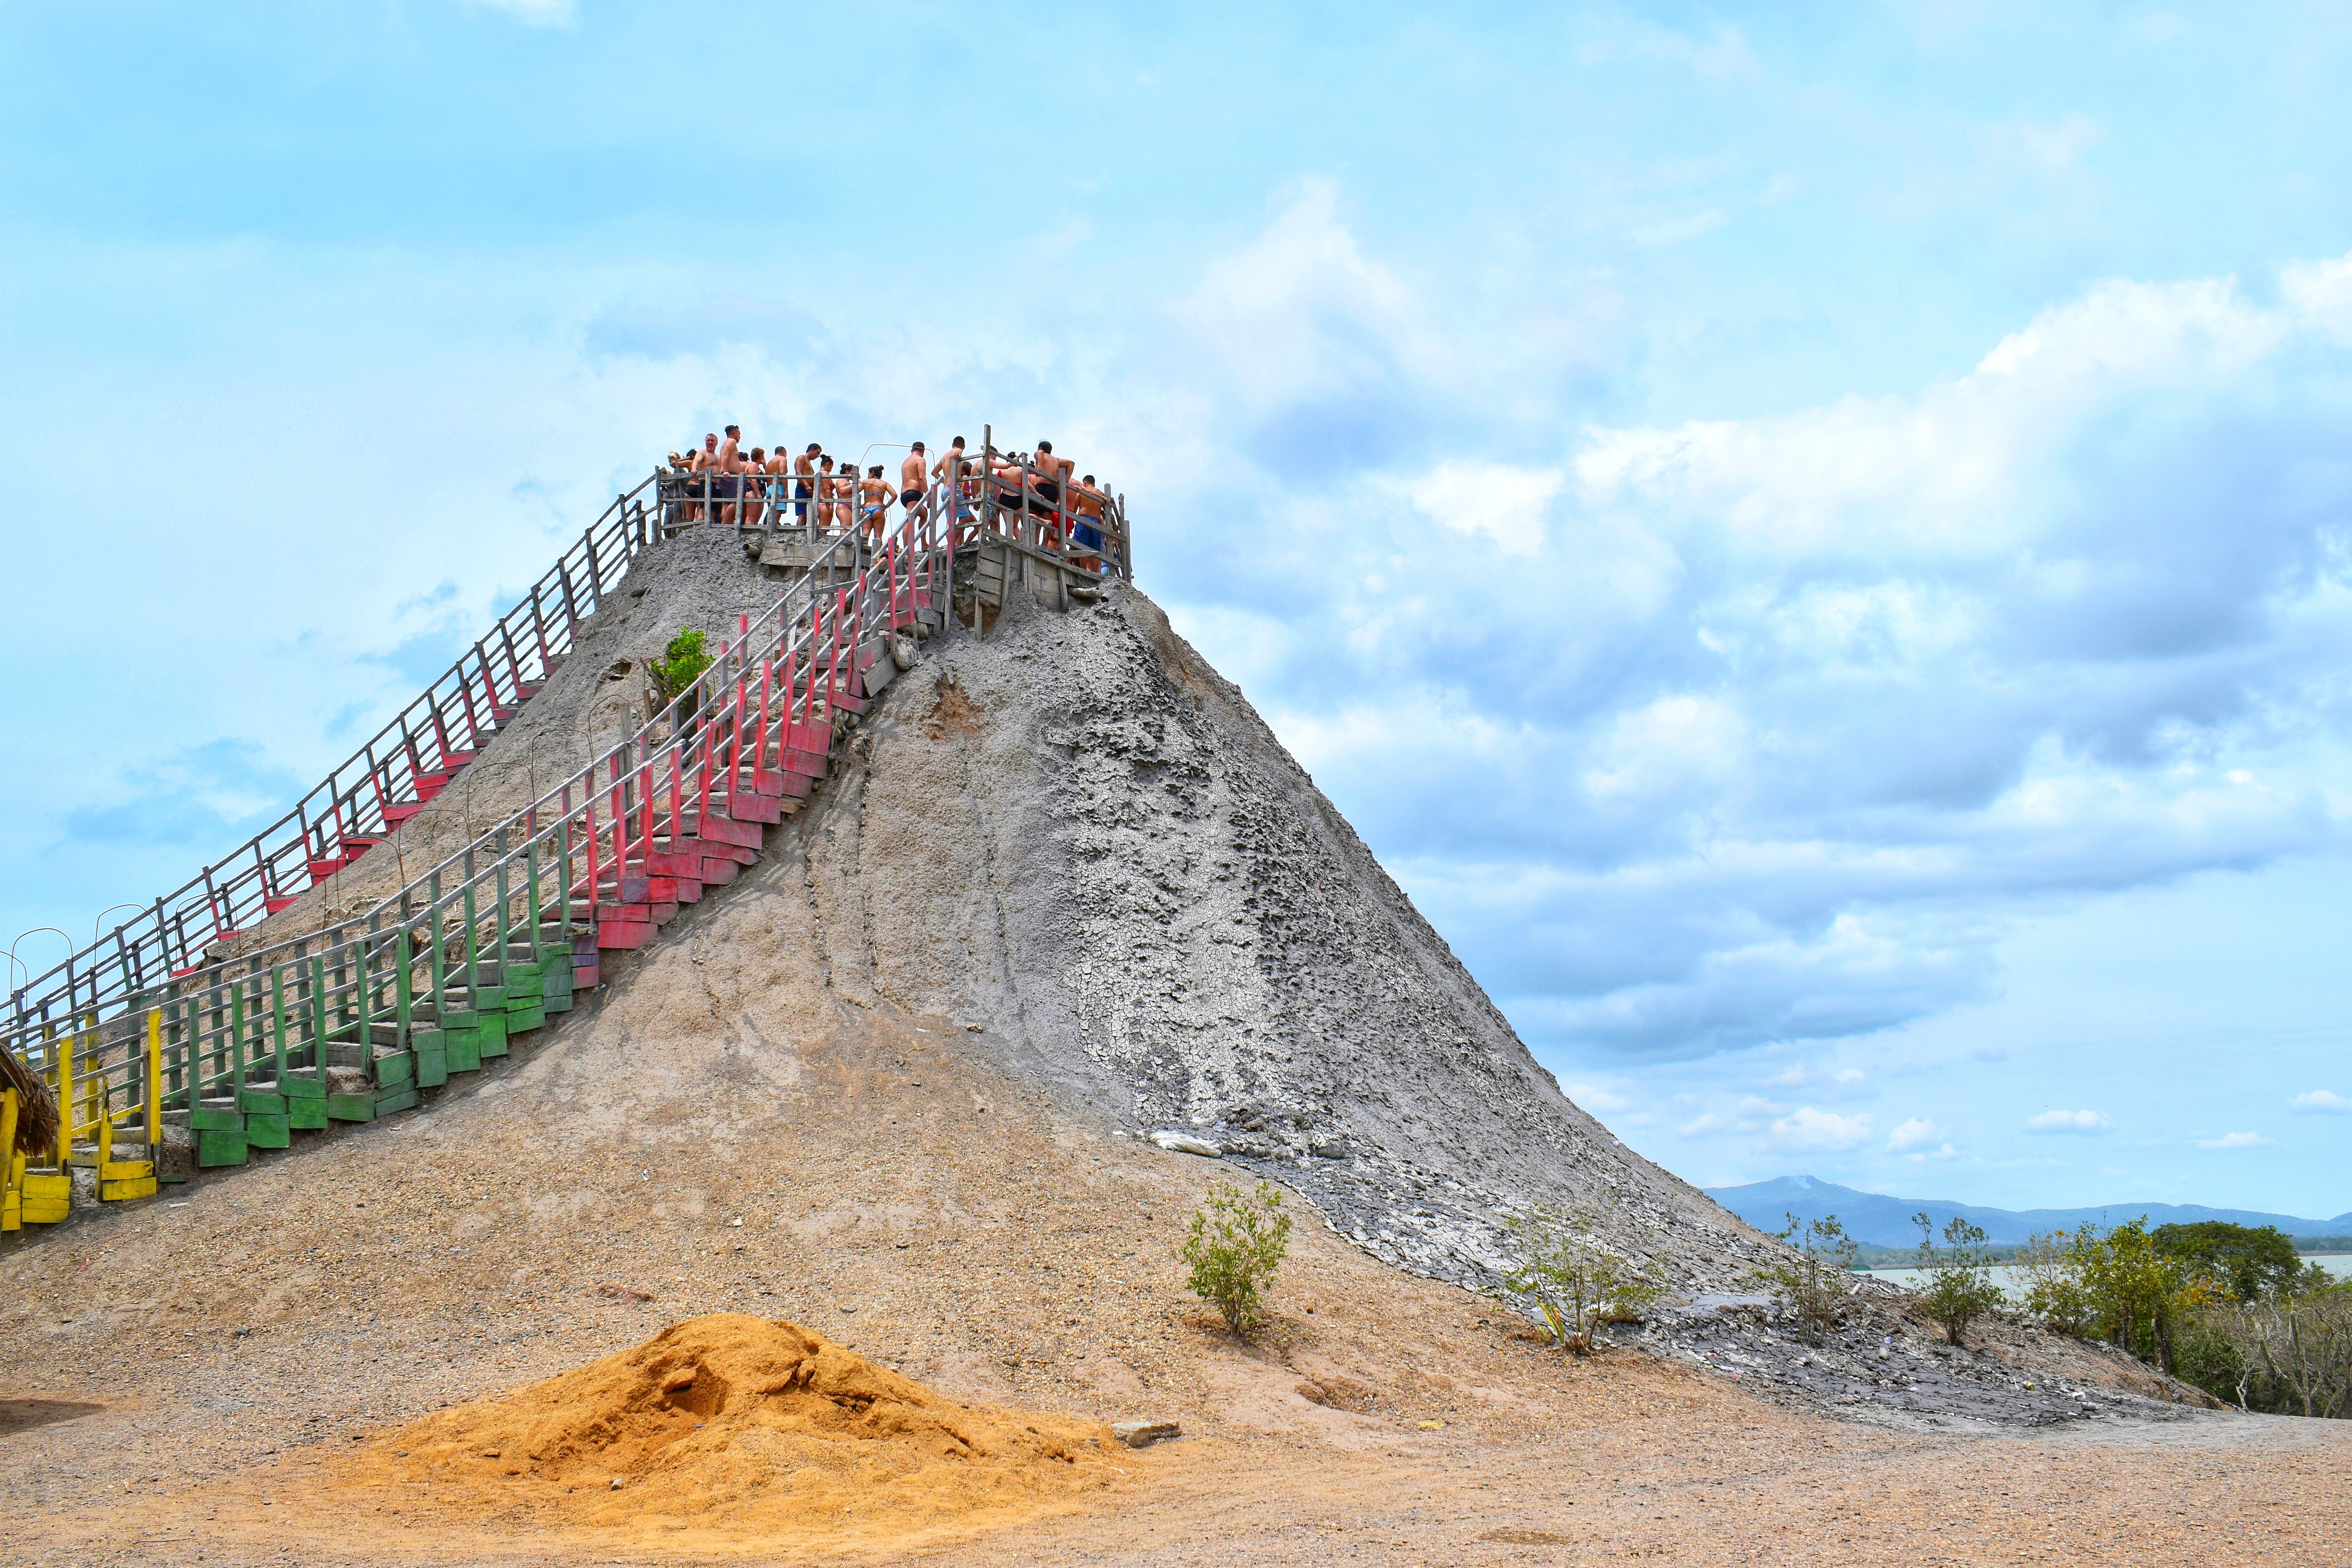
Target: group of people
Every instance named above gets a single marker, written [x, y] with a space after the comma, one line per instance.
[738, 488]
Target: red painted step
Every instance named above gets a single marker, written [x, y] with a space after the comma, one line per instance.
[745, 806]
[394, 816]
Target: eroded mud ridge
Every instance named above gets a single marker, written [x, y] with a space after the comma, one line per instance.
[1113, 863]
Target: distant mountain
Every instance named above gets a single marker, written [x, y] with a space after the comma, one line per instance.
[1880, 1221]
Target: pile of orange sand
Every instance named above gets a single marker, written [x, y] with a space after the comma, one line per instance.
[734, 1426]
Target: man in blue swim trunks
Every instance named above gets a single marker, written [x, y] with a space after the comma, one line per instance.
[1087, 536]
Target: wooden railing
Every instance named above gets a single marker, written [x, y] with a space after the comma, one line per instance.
[360, 803]
[362, 994]
[1001, 493]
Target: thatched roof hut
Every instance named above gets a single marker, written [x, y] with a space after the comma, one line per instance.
[37, 1107]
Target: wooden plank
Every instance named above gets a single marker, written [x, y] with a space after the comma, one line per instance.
[214, 1148]
[268, 1131]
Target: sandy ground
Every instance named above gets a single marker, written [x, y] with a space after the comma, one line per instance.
[355, 1285]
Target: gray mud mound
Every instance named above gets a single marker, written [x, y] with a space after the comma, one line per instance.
[1076, 833]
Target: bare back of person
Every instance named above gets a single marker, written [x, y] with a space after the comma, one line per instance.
[911, 478]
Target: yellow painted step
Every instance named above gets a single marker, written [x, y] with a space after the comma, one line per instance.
[124, 1187]
[48, 1197]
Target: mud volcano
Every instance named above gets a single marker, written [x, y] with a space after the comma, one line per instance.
[1073, 832]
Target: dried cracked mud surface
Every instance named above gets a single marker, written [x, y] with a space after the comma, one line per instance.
[1072, 837]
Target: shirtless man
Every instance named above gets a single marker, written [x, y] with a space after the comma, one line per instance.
[805, 482]
[731, 469]
[1087, 536]
[953, 470]
[874, 503]
[911, 478]
[705, 462]
[774, 485]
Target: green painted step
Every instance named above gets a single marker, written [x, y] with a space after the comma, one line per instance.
[255, 1103]
[351, 1107]
[297, 1086]
[212, 1121]
[394, 1068]
[220, 1148]
[401, 1099]
[521, 1020]
[494, 1035]
[268, 1131]
[465, 1049]
[432, 1059]
[306, 1113]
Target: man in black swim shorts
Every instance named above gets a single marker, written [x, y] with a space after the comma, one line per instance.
[805, 479]
[910, 478]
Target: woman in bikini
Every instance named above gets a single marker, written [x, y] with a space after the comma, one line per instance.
[875, 492]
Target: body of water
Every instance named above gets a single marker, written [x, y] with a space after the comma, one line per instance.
[2337, 1263]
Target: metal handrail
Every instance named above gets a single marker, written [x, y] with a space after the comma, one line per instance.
[339, 995]
[402, 765]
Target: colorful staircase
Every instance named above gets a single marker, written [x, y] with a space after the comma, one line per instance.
[359, 1021]
[363, 1019]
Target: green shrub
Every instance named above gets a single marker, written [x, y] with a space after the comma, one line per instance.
[2052, 1267]
[681, 664]
[1812, 1284]
[1959, 1276]
[1236, 1241]
[1575, 1280]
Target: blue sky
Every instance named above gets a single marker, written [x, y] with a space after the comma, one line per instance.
[1812, 539]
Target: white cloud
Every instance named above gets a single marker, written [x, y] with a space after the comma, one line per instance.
[1709, 1122]
[2067, 1122]
[1811, 1130]
[1504, 503]
[536, 13]
[1911, 1135]
[2324, 1100]
[2234, 1141]
[1592, 1097]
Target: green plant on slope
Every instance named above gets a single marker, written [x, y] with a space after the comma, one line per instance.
[1575, 1281]
[2050, 1267]
[1811, 1282]
[681, 664]
[1959, 1276]
[1235, 1243]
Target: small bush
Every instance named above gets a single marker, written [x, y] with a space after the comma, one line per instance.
[1959, 1276]
[681, 664]
[1575, 1281]
[2052, 1268]
[1236, 1241]
[1813, 1284]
